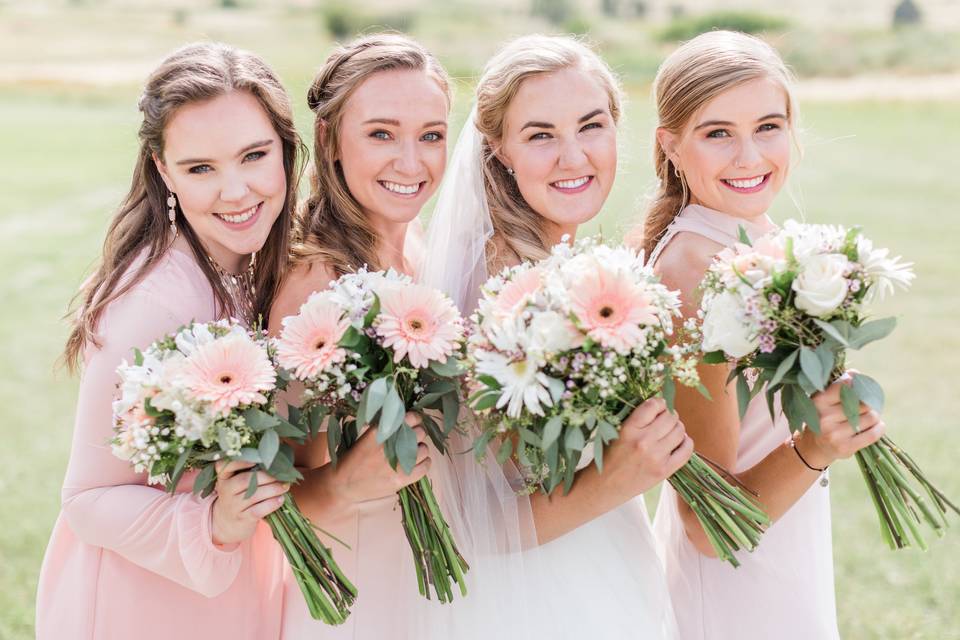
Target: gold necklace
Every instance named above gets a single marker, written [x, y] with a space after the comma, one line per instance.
[240, 288]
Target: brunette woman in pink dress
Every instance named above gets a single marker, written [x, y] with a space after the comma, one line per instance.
[722, 153]
[214, 185]
[381, 106]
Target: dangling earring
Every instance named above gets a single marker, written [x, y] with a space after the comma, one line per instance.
[172, 212]
[676, 171]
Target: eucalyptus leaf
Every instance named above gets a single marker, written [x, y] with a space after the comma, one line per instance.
[334, 436]
[869, 391]
[372, 400]
[249, 454]
[392, 415]
[372, 312]
[451, 411]
[251, 486]
[598, 453]
[449, 369]
[851, 406]
[551, 431]
[785, 365]
[406, 448]
[800, 405]
[205, 480]
[487, 400]
[506, 448]
[556, 389]
[742, 234]
[574, 439]
[714, 357]
[269, 445]
[669, 392]
[259, 420]
[832, 331]
[812, 368]
[743, 395]
[872, 331]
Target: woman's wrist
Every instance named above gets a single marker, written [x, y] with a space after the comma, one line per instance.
[809, 452]
[320, 489]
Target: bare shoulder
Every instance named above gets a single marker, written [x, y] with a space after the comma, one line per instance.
[300, 281]
[684, 262]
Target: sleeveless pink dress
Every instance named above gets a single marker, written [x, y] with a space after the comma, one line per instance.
[128, 560]
[784, 589]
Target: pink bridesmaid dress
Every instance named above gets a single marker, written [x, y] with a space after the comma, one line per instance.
[784, 589]
[128, 560]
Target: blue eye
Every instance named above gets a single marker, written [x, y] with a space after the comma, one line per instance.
[768, 127]
[380, 135]
[719, 133]
[433, 136]
[200, 169]
[543, 135]
[592, 125]
[254, 155]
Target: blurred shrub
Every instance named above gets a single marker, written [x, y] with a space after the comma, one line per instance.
[906, 13]
[556, 11]
[579, 26]
[687, 27]
[342, 21]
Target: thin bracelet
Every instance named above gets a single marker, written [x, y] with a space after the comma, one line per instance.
[793, 444]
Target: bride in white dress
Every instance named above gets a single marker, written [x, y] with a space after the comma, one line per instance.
[536, 158]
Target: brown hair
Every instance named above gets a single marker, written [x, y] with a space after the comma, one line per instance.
[518, 229]
[691, 76]
[332, 225]
[196, 72]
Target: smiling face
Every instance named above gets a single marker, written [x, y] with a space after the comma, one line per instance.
[561, 143]
[224, 161]
[392, 143]
[735, 152]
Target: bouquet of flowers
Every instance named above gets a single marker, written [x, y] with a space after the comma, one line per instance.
[563, 350]
[206, 394]
[369, 349]
[784, 310]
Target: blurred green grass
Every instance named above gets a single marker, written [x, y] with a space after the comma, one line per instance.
[885, 165]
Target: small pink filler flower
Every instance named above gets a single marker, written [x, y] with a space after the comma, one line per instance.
[229, 372]
[611, 308]
[418, 322]
[308, 342]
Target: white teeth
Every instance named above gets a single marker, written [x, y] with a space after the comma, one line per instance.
[571, 184]
[240, 217]
[402, 189]
[746, 184]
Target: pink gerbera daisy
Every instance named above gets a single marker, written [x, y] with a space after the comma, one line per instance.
[308, 342]
[611, 309]
[420, 323]
[229, 372]
[519, 290]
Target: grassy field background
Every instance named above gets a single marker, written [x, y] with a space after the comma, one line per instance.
[69, 77]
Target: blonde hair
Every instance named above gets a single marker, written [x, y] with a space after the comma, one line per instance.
[518, 229]
[332, 226]
[194, 73]
[691, 76]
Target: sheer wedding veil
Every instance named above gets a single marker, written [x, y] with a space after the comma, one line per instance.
[460, 226]
[492, 523]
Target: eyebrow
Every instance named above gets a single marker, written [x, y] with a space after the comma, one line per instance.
[249, 147]
[396, 123]
[724, 123]
[547, 125]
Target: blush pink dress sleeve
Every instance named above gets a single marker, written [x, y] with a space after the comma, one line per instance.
[128, 560]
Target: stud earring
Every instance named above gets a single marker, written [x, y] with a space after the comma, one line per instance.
[510, 171]
[172, 212]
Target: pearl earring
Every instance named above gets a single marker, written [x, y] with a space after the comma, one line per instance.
[510, 171]
[172, 212]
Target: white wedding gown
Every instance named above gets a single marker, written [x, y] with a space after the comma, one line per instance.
[601, 581]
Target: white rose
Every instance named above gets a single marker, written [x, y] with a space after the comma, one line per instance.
[821, 286]
[726, 328]
[550, 332]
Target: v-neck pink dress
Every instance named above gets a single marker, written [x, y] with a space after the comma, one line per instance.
[784, 589]
[128, 560]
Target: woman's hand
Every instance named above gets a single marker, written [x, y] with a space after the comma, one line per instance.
[363, 474]
[837, 438]
[652, 445]
[235, 517]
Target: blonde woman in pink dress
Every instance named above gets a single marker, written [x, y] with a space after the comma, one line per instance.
[381, 105]
[722, 153]
[214, 184]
